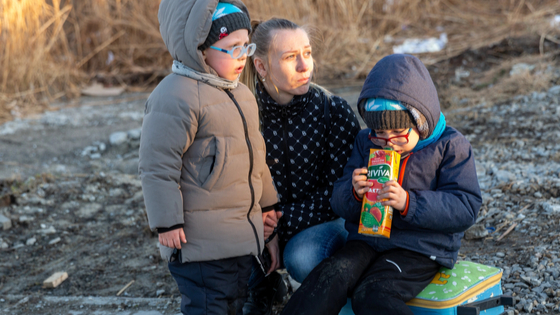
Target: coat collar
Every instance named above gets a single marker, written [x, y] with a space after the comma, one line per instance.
[269, 107]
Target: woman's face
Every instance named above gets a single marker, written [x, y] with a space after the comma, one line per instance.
[290, 65]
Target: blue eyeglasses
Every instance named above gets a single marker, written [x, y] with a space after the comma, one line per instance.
[237, 51]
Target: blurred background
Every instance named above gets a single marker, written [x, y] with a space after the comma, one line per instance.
[50, 50]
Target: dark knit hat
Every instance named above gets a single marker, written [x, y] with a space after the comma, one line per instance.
[226, 19]
[384, 114]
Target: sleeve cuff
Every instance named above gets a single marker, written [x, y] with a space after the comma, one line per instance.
[163, 230]
[405, 211]
[269, 208]
[356, 196]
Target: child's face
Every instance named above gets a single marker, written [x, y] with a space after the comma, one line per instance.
[223, 63]
[401, 147]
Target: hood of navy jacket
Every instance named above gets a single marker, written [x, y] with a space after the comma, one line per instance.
[403, 78]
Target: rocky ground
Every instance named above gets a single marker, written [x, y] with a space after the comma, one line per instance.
[70, 200]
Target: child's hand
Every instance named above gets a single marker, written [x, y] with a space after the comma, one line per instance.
[173, 238]
[395, 193]
[360, 182]
[270, 221]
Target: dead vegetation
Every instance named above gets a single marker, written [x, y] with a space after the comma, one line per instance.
[50, 49]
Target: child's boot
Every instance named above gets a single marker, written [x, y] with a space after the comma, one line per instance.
[262, 297]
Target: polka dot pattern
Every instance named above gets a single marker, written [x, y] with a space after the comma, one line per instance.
[305, 156]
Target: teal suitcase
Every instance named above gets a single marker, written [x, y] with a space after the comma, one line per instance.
[467, 289]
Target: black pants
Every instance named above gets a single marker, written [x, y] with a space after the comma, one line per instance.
[378, 283]
[213, 287]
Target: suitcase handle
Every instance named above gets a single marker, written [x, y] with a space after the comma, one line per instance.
[474, 308]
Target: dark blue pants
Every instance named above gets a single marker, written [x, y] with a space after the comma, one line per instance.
[212, 287]
[377, 283]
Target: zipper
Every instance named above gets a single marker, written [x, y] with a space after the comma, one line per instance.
[250, 147]
[402, 168]
[287, 170]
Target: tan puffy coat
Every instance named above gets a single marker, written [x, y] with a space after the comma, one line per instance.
[202, 159]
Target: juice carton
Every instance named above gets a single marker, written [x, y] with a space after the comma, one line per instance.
[376, 219]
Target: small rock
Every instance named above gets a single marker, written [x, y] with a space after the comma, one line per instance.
[49, 230]
[5, 222]
[89, 210]
[134, 134]
[528, 307]
[538, 194]
[116, 192]
[128, 166]
[25, 218]
[160, 292]
[31, 241]
[500, 254]
[554, 90]
[89, 150]
[18, 245]
[118, 138]
[504, 176]
[54, 241]
[521, 68]
[476, 231]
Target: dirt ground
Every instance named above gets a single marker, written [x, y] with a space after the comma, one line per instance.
[75, 203]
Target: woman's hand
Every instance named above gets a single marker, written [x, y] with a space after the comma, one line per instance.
[173, 238]
[395, 193]
[360, 182]
[274, 251]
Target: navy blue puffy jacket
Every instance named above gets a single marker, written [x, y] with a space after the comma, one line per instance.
[441, 178]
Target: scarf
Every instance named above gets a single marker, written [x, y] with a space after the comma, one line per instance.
[438, 130]
[207, 78]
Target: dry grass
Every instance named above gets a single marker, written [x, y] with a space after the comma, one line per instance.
[498, 85]
[52, 48]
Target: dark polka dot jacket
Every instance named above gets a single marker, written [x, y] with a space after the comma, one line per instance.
[306, 154]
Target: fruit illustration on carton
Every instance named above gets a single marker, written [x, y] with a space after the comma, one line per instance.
[376, 219]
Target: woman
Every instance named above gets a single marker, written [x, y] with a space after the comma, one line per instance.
[309, 135]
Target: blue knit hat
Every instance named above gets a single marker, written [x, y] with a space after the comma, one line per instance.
[226, 19]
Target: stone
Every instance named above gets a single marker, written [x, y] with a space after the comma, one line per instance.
[55, 279]
[528, 307]
[129, 166]
[5, 222]
[89, 210]
[49, 230]
[521, 68]
[25, 218]
[54, 241]
[503, 176]
[134, 134]
[118, 138]
[476, 231]
[554, 90]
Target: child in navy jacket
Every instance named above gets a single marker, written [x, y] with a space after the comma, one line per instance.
[435, 199]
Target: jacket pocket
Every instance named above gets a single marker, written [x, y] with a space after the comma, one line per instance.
[206, 163]
[213, 165]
